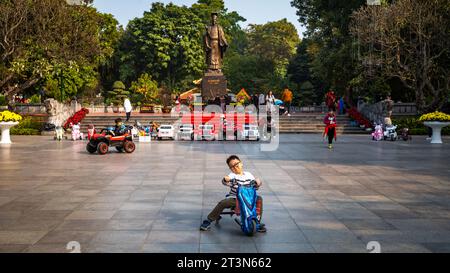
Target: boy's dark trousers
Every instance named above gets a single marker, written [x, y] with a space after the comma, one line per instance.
[128, 116]
[330, 135]
[226, 204]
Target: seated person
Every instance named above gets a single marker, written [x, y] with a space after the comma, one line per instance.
[236, 177]
[119, 128]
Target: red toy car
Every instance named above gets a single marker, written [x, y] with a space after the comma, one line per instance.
[101, 142]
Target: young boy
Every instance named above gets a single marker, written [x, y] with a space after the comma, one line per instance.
[330, 129]
[119, 129]
[236, 177]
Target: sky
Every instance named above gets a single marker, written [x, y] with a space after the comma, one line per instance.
[255, 11]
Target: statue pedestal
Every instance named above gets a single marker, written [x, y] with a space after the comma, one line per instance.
[213, 85]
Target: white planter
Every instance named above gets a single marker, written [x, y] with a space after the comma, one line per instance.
[437, 128]
[5, 126]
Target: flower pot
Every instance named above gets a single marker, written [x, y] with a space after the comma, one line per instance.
[436, 126]
[157, 109]
[115, 109]
[166, 109]
[146, 109]
[5, 127]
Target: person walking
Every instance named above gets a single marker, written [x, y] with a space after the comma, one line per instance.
[330, 100]
[341, 106]
[270, 102]
[128, 108]
[330, 128]
[255, 101]
[286, 97]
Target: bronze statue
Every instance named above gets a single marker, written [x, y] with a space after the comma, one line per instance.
[215, 45]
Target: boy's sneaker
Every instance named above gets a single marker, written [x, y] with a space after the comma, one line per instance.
[262, 228]
[330, 146]
[206, 225]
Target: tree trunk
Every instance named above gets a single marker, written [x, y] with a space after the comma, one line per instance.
[15, 90]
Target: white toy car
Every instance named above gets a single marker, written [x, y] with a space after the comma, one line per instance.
[206, 132]
[186, 132]
[250, 132]
[390, 132]
[166, 131]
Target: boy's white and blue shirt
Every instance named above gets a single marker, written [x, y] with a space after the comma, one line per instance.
[244, 179]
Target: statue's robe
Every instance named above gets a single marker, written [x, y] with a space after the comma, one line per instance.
[216, 45]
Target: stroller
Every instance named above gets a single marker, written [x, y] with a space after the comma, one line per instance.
[378, 133]
[247, 211]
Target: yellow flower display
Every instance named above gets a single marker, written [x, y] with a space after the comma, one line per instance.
[435, 116]
[7, 116]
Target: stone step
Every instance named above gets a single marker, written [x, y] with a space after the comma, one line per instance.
[303, 123]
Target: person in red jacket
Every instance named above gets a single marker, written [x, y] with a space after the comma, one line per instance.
[330, 128]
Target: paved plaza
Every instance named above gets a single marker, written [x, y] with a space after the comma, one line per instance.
[315, 199]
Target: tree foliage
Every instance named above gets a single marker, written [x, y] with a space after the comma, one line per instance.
[118, 94]
[146, 87]
[332, 51]
[406, 40]
[39, 37]
[262, 66]
[166, 43]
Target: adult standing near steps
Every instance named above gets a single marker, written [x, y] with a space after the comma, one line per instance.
[128, 108]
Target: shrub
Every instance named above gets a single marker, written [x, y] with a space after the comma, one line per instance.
[24, 131]
[27, 126]
[3, 101]
[35, 99]
[118, 94]
[415, 126]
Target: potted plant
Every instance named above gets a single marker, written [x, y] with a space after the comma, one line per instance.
[148, 89]
[7, 120]
[117, 95]
[166, 99]
[436, 121]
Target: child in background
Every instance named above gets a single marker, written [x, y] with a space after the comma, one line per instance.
[330, 128]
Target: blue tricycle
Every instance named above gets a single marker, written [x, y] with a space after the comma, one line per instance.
[247, 208]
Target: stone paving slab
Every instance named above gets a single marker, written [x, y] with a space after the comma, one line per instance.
[315, 199]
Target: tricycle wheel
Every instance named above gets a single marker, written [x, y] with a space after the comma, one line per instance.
[252, 228]
[129, 146]
[119, 149]
[91, 149]
[102, 148]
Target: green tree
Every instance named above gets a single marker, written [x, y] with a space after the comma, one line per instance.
[118, 94]
[146, 87]
[166, 43]
[262, 63]
[308, 89]
[334, 56]
[65, 80]
[275, 42]
[406, 40]
[38, 38]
